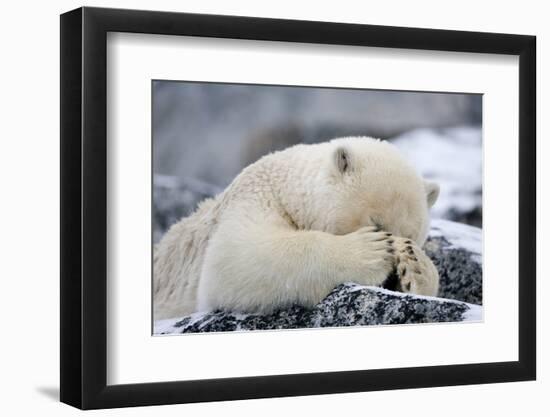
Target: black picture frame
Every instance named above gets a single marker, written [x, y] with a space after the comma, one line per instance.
[84, 207]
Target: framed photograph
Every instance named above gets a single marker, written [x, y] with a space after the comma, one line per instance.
[257, 208]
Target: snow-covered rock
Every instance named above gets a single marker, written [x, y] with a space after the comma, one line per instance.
[347, 305]
[456, 251]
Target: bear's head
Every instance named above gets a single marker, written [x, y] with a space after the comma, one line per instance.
[367, 182]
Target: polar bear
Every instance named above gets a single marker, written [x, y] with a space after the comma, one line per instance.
[295, 224]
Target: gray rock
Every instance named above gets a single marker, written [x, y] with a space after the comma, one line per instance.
[174, 198]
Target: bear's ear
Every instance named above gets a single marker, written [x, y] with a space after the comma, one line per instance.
[432, 192]
[342, 160]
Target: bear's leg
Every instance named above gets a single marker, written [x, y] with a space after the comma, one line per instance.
[262, 268]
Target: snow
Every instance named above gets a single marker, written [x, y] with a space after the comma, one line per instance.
[164, 326]
[453, 158]
[473, 314]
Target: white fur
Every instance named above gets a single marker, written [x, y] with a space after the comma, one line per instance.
[291, 227]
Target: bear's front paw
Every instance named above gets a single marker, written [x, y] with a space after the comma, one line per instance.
[368, 255]
[414, 271]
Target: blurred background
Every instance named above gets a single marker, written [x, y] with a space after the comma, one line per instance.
[204, 134]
